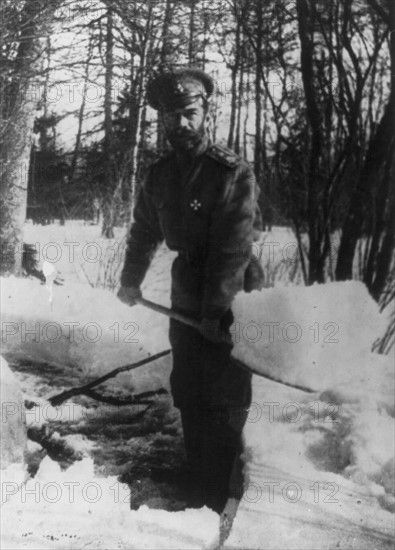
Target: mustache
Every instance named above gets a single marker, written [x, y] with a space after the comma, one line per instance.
[184, 133]
[185, 138]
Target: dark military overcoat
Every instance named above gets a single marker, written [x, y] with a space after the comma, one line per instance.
[207, 212]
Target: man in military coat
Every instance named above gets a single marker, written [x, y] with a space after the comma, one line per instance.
[201, 199]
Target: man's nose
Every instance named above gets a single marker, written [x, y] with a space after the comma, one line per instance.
[182, 121]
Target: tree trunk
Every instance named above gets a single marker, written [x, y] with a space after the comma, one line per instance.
[306, 25]
[246, 119]
[191, 49]
[379, 151]
[81, 112]
[44, 138]
[235, 70]
[240, 104]
[19, 105]
[139, 100]
[165, 62]
[258, 102]
[108, 198]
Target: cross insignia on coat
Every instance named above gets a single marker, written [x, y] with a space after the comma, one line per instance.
[195, 204]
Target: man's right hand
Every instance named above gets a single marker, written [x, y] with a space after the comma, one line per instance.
[210, 329]
[129, 294]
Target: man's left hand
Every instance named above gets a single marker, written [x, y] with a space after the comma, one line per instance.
[210, 329]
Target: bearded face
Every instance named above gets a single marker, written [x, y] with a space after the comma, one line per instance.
[185, 127]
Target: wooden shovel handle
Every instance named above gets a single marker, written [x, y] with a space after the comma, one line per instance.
[195, 324]
[168, 312]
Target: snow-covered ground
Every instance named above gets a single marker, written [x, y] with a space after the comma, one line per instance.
[319, 467]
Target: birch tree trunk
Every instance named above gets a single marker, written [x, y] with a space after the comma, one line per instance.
[139, 100]
[18, 109]
[235, 70]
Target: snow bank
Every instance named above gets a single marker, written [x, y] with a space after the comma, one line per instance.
[86, 329]
[348, 426]
[364, 431]
[73, 509]
[317, 462]
[310, 336]
[13, 436]
[314, 478]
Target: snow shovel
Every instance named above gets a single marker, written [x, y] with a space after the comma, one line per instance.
[87, 389]
[168, 312]
[195, 324]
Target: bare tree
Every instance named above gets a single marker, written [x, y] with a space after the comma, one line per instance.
[81, 113]
[373, 198]
[23, 26]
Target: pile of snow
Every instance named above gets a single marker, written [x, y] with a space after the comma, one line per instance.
[309, 336]
[314, 478]
[73, 509]
[13, 435]
[321, 338]
[85, 329]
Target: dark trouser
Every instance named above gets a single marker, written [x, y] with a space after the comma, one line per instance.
[213, 396]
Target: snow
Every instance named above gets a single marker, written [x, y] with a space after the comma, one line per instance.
[307, 335]
[74, 509]
[319, 465]
[307, 487]
[86, 329]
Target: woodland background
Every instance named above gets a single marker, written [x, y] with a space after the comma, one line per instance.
[304, 92]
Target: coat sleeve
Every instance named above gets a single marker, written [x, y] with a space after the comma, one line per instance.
[144, 237]
[231, 237]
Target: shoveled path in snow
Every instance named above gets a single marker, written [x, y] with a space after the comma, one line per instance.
[143, 449]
